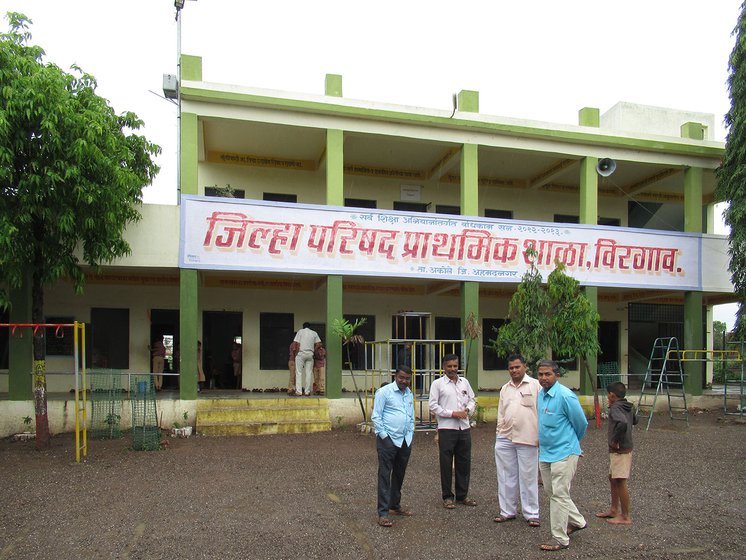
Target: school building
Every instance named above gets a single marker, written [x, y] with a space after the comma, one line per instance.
[299, 207]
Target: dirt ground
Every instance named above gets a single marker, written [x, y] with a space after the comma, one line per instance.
[313, 496]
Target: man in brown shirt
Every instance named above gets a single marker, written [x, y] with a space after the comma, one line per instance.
[517, 445]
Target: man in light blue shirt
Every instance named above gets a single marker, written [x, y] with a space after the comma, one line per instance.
[393, 421]
[562, 424]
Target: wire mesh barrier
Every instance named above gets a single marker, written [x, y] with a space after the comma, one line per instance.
[146, 434]
[105, 395]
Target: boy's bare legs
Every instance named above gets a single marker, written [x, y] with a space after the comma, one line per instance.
[612, 511]
[622, 492]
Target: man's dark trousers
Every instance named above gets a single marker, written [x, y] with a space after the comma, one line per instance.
[392, 464]
[455, 443]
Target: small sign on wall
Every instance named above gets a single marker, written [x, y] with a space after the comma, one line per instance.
[410, 193]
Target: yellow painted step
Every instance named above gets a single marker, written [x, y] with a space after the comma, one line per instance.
[263, 428]
[268, 414]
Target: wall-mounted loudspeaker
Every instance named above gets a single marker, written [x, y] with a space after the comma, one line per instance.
[605, 167]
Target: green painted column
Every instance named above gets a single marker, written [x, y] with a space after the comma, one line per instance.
[468, 101]
[20, 351]
[188, 332]
[334, 293]
[189, 158]
[588, 212]
[694, 336]
[334, 283]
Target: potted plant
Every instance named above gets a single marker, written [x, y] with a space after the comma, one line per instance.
[27, 434]
[182, 431]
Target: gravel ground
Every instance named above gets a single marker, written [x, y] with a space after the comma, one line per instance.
[313, 496]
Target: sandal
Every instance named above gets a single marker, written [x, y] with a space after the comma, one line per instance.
[385, 522]
[401, 511]
[467, 502]
[448, 504]
[533, 522]
[501, 519]
[553, 547]
[573, 529]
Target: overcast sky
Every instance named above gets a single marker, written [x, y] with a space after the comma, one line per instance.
[533, 59]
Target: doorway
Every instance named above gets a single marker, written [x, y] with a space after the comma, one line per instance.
[164, 326]
[220, 329]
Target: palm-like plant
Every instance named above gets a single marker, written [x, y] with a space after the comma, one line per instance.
[346, 332]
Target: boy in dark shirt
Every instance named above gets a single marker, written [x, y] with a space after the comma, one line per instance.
[621, 419]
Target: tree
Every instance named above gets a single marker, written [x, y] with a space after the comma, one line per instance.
[554, 318]
[526, 330]
[731, 174]
[71, 177]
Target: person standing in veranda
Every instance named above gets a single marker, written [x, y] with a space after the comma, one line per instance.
[517, 445]
[158, 352]
[319, 369]
[292, 354]
[452, 401]
[562, 425]
[308, 340]
[237, 359]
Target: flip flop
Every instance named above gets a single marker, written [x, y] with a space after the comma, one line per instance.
[571, 529]
[401, 511]
[533, 522]
[385, 522]
[501, 519]
[553, 547]
[448, 504]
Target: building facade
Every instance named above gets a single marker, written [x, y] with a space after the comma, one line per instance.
[298, 208]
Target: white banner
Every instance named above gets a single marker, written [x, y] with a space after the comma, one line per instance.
[222, 234]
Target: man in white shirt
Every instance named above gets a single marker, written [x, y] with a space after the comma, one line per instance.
[517, 445]
[452, 402]
[308, 340]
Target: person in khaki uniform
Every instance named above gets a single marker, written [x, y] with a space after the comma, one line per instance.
[292, 353]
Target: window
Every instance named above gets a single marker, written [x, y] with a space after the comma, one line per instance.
[411, 206]
[360, 203]
[357, 351]
[447, 209]
[110, 338]
[490, 359]
[280, 197]
[59, 341]
[225, 192]
[276, 333]
[499, 214]
[449, 328]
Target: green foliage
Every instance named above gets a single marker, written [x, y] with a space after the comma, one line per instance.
[732, 173]
[346, 330]
[556, 317]
[528, 314]
[71, 170]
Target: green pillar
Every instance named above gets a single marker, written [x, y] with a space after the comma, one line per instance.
[468, 101]
[20, 351]
[694, 338]
[334, 292]
[334, 289]
[588, 212]
[189, 156]
[188, 332]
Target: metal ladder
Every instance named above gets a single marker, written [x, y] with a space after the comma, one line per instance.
[664, 373]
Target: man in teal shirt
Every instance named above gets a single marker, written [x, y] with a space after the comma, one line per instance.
[562, 424]
[393, 421]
